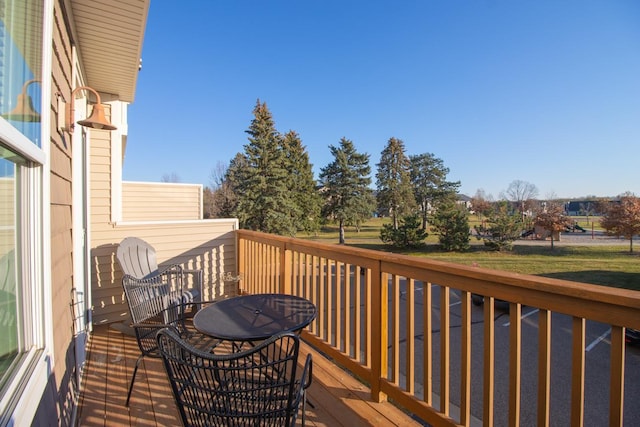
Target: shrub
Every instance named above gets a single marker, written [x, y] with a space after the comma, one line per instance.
[451, 223]
[409, 233]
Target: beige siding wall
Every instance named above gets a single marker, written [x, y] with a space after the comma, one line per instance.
[146, 201]
[199, 244]
[61, 220]
[208, 245]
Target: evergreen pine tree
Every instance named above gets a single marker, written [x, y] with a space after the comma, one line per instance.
[393, 182]
[501, 228]
[408, 234]
[345, 182]
[302, 185]
[430, 185]
[451, 223]
[264, 201]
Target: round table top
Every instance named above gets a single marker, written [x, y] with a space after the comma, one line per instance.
[254, 317]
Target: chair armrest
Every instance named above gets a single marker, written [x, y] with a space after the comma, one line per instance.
[149, 325]
[307, 373]
[171, 269]
[178, 271]
[175, 275]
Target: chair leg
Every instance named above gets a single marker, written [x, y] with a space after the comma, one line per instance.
[133, 378]
[304, 407]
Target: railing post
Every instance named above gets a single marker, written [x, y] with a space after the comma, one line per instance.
[616, 398]
[380, 335]
[285, 270]
[240, 262]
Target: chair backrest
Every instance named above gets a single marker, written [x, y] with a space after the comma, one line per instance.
[146, 299]
[257, 386]
[137, 258]
[150, 303]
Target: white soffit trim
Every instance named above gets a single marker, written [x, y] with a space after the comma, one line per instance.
[109, 39]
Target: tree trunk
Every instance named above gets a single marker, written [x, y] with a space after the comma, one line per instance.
[631, 244]
[341, 238]
[424, 216]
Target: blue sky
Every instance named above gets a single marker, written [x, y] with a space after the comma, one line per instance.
[546, 92]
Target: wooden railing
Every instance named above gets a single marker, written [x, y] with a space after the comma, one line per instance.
[374, 308]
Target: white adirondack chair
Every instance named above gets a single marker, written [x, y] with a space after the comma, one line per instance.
[137, 259]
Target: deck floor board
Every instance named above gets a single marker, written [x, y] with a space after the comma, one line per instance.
[336, 398]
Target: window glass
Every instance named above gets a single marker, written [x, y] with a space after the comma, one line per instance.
[21, 27]
[9, 212]
[20, 65]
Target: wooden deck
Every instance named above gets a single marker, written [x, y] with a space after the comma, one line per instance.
[338, 399]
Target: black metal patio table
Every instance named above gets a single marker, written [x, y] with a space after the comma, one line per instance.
[250, 318]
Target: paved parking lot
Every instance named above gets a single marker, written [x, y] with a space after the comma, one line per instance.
[578, 238]
[597, 351]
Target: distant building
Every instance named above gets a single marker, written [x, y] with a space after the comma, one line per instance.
[465, 201]
[582, 207]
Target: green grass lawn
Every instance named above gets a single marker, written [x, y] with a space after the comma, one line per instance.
[609, 265]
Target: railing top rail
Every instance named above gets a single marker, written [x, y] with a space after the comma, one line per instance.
[543, 292]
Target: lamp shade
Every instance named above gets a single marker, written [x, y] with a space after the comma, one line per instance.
[23, 111]
[97, 120]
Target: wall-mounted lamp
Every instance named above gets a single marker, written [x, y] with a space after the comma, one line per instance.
[97, 120]
[23, 111]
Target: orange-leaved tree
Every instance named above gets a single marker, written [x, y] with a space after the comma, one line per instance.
[553, 219]
[623, 218]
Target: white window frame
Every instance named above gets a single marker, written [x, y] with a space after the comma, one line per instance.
[20, 402]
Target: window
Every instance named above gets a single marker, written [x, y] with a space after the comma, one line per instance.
[9, 211]
[22, 163]
[21, 65]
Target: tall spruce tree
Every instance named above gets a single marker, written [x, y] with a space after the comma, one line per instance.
[430, 185]
[393, 182]
[264, 201]
[345, 182]
[302, 184]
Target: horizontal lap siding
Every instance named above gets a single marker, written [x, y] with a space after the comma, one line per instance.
[61, 257]
[205, 245]
[160, 201]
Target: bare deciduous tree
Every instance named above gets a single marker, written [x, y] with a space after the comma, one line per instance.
[521, 192]
[481, 203]
[170, 177]
[218, 175]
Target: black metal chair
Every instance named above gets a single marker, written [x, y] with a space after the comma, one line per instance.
[254, 387]
[138, 259]
[153, 306]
